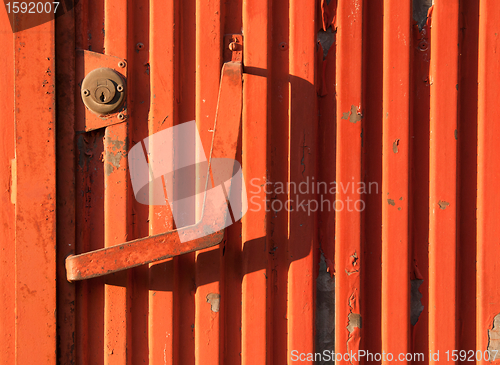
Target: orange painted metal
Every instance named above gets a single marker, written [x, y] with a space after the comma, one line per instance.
[34, 199]
[159, 69]
[254, 231]
[348, 224]
[7, 228]
[302, 144]
[443, 79]
[487, 295]
[395, 179]
[340, 92]
[225, 132]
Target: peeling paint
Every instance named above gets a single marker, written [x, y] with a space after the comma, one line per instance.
[214, 300]
[420, 10]
[326, 39]
[353, 324]
[416, 301]
[352, 266]
[494, 336]
[354, 321]
[443, 204]
[353, 115]
[112, 162]
[395, 146]
[391, 202]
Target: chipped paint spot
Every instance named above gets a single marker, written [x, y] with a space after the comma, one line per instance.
[353, 266]
[416, 301]
[214, 300]
[494, 337]
[391, 202]
[112, 161]
[443, 204]
[395, 146]
[354, 321]
[353, 324]
[353, 115]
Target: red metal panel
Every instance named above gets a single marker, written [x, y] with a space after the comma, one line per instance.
[254, 280]
[7, 191]
[374, 102]
[348, 250]
[487, 297]
[161, 67]
[35, 193]
[443, 76]
[302, 168]
[395, 178]
[207, 321]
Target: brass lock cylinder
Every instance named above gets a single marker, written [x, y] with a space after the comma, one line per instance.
[103, 91]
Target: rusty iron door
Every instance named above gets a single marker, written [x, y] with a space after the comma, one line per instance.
[365, 136]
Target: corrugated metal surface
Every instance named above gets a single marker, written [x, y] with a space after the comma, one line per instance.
[395, 108]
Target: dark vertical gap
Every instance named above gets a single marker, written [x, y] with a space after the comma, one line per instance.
[325, 257]
[65, 157]
[89, 20]
[419, 183]
[467, 155]
[371, 269]
[278, 172]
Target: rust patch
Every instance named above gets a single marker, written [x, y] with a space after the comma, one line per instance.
[345, 115]
[395, 146]
[494, 337]
[391, 202]
[443, 204]
[214, 300]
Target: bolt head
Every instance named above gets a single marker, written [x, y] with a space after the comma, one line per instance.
[86, 92]
[121, 64]
[121, 116]
[232, 46]
[119, 88]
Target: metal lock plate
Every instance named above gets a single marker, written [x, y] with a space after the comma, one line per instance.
[103, 91]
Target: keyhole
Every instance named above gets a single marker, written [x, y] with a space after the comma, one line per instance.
[103, 98]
